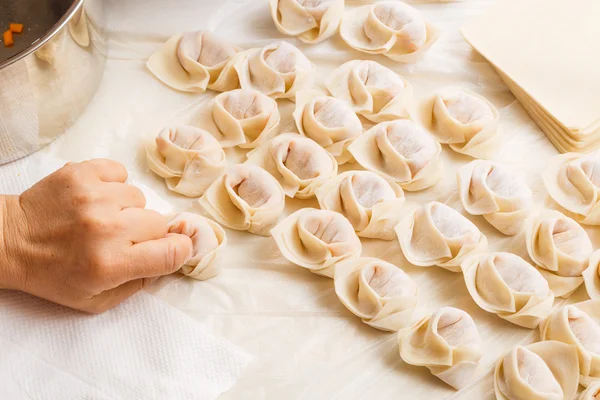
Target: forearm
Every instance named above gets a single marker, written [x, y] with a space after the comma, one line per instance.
[10, 273]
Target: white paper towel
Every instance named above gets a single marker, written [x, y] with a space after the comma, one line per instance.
[142, 349]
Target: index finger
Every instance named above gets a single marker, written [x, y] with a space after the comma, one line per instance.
[107, 170]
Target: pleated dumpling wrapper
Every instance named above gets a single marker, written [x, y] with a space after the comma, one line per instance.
[592, 392]
[591, 276]
[372, 90]
[312, 21]
[208, 240]
[573, 181]
[194, 62]
[401, 151]
[464, 120]
[494, 191]
[577, 324]
[316, 240]
[372, 204]
[379, 293]
[447, 343]
[507, 285]
[328, 121]
[278, 70]
[245, 198]
[299, 164]
[188, 158]
[435, 234]
[241, 117]
[392, 28]
[540, 371]
[560, 247]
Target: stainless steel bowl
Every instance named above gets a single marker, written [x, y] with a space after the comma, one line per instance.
[51, 73]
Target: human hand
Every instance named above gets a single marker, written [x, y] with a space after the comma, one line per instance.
[81, 238]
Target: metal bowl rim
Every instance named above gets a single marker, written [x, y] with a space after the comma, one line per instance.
[57, 27]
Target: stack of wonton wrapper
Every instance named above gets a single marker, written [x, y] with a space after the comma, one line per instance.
[548, 53]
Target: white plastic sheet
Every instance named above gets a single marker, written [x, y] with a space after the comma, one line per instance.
[306, 344]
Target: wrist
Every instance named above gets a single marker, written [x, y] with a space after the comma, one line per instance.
[12, 272]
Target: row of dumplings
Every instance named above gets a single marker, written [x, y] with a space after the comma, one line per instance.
[447, 341]
[392, 28]
[251, 197]
[197, 61]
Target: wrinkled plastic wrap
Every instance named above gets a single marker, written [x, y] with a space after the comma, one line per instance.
[306, 344]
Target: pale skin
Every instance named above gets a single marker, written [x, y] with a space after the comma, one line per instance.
[82, 238]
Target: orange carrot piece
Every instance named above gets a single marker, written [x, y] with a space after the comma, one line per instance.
[15, 28]
[8, 38]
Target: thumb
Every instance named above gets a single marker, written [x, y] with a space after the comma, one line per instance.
[158, 257]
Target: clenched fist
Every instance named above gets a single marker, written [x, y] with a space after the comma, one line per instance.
[82, 238]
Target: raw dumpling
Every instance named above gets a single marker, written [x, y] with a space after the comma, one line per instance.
[391, 28]
[299, 164]
[278, 70]
[401, 151]
[328, 121]
[242, 117]
[435, 234]
[577, 324]
[208, 239]
[188, 158]
[573, 181]
[194, 62]
[560, 247]
[492, 190]
[447, 343]
[539, 371]
[379, 293]
[591, 276]
[372, 90]
[316, 240]
[311, 20]
[507, 285]
[245, 198]
[465, 121]
[372, 204]
[591, 393]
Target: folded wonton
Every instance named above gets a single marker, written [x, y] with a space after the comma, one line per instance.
[299, 164]
[208, 239]
[372, 90]
[573, 181]
[577, 324]
[464, 120]
[316, 240]
[492, 190]
[311, 20]
[435, 234]
[328, 121]
[507, 285]
[539, 371]
[401, 151]
[188, 158]
[245, 198]
[379, 293]
[392, 28]
[447, 343]
[278, 70]
[560, 247]
[194, 62]
[370, 202]
[242, 117]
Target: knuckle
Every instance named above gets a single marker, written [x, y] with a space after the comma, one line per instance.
[171, 257]
[84, 198]
[99, 225]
